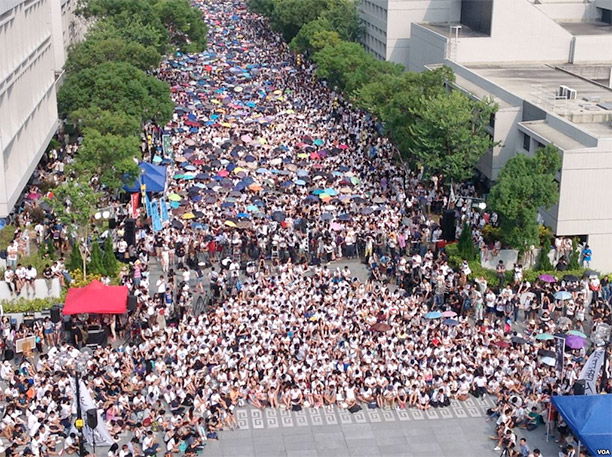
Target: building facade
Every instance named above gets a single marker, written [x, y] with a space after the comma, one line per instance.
[34, 37]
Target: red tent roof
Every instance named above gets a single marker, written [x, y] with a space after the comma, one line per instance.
[96, 298]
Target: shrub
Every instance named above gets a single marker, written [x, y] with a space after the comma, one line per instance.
[465, 247]
[574, 257]
[7, 233]
[29, 306]
[543, 262]
[75, 261]
[491, 234]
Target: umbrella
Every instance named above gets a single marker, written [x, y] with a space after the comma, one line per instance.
[188, 216]
[563, 295]
[278, 216]
[544, 336]
[570, 278]
[380, 327]
[547, 278]
[518, 340]
[177, 224]
[231, 224]
[433, 315]
[526, 296]
[450, 322]
[174, 197]
[502, 344]
[550, 361]
[589, 273]
[449, 314]
[575, 342]
[577, 333]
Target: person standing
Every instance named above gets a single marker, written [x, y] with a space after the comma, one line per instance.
[523, 448]
[587, 253]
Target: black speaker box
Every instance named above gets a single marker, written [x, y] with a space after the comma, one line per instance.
[579, 387]
[55, 314]
[131, 303]
[448, 226]
[92, 418]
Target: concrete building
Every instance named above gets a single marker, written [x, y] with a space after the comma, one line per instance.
[34, 37]
[416, 33]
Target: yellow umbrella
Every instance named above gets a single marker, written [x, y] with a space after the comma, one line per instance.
[216, 102]
[188, 216]
[325, 197]
[231, 224]
[239, 169]
[226, 124]
[277, 92]
[174, 197]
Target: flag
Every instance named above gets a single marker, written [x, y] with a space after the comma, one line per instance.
[163, 210]
[590, 371]
[135, 201]
[147, 204]
[559, 352]
[99, 434]
[155, 220]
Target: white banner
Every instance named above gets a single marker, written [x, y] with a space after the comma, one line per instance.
[100, 433]
[591, 370]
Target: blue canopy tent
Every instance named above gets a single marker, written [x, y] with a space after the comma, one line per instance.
[152, 176]
[590, 418]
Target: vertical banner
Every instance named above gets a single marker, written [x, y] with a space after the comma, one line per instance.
[163, 210]
[99, 434]
[559, 353]
[167, 145]
[155, 220]
[147, 204]
[590, 371]
[135, 201]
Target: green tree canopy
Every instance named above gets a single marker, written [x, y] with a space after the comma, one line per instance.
[350, 67]
[90, 53]
[117, 86]
[105, 122]
[130, 28]
[524, 185]
[109, 157]
[448, 135]
[185, 26]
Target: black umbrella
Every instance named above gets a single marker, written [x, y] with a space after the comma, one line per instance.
[177, 224]
[570, 278]
[518, 340]
[278, 216]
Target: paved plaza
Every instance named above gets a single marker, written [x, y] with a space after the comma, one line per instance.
[458, 431]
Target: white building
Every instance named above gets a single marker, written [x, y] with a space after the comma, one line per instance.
[420, 32]
[34, 37]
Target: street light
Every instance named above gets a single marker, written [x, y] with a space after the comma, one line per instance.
[76, 364]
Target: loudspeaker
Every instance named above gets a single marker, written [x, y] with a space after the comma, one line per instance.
[55, 314]
[448, 226]
[579, 387]
[130, 231]
[131, 303]
[92, 418]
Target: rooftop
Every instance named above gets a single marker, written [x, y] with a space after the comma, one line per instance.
[553, 135]
[538, 84]
[445, 30]
[587, 28]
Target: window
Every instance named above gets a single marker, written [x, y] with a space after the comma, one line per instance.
[526, 141]
[538, 145]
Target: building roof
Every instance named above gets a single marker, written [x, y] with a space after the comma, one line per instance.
[538, 84]
[587, 28]
[445, 30]
[559, 139]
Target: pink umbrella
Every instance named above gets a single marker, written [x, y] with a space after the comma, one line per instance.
[246, 138]
[223, 173]
[449, 314]
[575, 342]
[547, 278]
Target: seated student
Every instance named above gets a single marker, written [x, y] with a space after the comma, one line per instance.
[439, 399]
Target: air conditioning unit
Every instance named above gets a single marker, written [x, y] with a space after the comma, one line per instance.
[562, 91]
[571, 94]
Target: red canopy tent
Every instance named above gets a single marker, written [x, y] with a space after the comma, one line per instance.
[96, 298]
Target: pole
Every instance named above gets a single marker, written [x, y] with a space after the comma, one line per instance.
[604, 373]
[79, 414]
[548, 420]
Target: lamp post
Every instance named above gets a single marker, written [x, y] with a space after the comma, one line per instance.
[77, 364]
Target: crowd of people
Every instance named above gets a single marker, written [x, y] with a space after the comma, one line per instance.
[274, 175]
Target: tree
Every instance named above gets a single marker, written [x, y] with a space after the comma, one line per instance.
[185, 26]
[74, 204]
[109, 157]
[92, 52]
[108, 258]
[448, 135]
[309, 38]
[117, 86]
[130, 28]
[350, 67]
[343, 18]
[75, 261]
[524, 185]
[263, 7]
[543, 261]
[288, 16]
[96, 265]
[465, 246]
[105, 122]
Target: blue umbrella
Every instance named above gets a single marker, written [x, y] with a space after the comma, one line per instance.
[302, 173]
[227, 205]
[287, 184]
[189, 168]
[563, 295]
[318, 142]
[450, 322]
[318, 192]
[262, 170]
[300, 182]
[433, 315]
[243, 215]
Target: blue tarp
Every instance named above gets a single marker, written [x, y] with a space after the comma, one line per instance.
[590, 418]
[153, 176]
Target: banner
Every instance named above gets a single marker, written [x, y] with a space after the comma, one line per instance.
[163, 210]
[155, 220]
[591, 370]
[167, 145]
[148, 204]
[100, 434]
[135, 201]
[559, 352]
